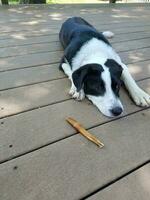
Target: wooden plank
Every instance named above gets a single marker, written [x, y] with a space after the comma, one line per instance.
[140, 69]
[49, 20]
[26, 38]
[25, 34]
[23, 61]
[27, 76]
[129, 36]
[21, 14]
[73, 168]
[106, 20]
[36, 25]
[29, 49]
[56, 46]
[130, 29]
[56, 18]
[61, 171]
[135, 55]
[123, 12]
[130, 45]
[32, 75]
[134, 186]
[33, 96]
[55, 30]
[30, 60]
[39, 127]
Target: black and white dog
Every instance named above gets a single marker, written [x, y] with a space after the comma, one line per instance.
[95, 69]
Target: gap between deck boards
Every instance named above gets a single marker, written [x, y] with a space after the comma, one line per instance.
[52, 51]
[71, 135]
[33, 162]
[63, 76]
[44, 21]
[39, 148]
[46, 42]
[52, 47]
[25, 107]
[55, 38]
[115, 180]
[52, 34]
[55, 58]
[56, 27]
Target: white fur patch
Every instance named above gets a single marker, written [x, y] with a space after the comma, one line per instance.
[139, 96]
[108, 34]
[93, 51]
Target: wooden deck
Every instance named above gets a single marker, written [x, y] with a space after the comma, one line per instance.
[41, 156]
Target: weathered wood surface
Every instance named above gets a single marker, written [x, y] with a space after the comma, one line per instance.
[23, 77]
[75, 167]
[26, 39]
[134, 186]
[55, 46]
[53, 161]
[52, 124]
[30, 60]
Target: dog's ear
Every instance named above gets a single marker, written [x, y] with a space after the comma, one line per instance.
[78, 77]
[80, 74]
[114, 68]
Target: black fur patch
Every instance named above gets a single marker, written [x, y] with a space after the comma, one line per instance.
[115, 71]
[88, 77]
[74, 33]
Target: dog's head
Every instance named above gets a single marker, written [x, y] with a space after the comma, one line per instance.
[101, 85]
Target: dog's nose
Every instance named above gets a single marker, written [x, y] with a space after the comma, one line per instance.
[116, 111]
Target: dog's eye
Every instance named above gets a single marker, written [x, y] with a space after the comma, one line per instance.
[117, 87]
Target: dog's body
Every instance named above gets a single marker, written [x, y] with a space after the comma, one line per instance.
[94, 68]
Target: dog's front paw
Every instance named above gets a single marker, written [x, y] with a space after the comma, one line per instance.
[72, 90]
[141, 98]
[77, 95]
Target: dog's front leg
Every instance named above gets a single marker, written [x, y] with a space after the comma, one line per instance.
[73, 90]
[140, 97]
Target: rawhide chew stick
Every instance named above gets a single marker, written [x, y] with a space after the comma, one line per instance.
[84, 132]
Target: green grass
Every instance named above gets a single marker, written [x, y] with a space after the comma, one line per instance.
[73, 1]
[62, 1]
[13, 1]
